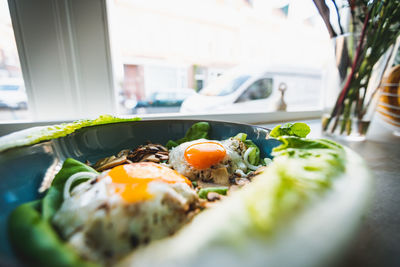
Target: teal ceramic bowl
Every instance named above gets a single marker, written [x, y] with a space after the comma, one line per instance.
[23, 168]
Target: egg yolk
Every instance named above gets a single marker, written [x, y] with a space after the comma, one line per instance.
[131, 180]
[205, 154]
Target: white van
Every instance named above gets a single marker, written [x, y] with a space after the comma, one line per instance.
[256, 89]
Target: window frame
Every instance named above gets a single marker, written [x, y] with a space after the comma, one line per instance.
[75, 76]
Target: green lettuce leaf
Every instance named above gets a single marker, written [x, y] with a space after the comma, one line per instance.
[301, 169]
[198, 130]
[38, 134]
[37, 242]
[30, 230]
[298, 129]
[54, 196]
[290, 142]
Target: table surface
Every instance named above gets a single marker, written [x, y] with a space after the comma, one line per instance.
[377, 243]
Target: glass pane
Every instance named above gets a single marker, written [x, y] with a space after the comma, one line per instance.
[259, 90]
[13, 98]
[185, 56]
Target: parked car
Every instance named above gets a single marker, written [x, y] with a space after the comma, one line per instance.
[164, 101]
[12, 94]
[127, 101]
[256, 89]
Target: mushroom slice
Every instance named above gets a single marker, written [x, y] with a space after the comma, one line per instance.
[150, 152]
[110, 162]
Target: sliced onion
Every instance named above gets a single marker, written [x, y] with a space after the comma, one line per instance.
[246, 159]
[75, 177]
[240, 172]
[267, 161]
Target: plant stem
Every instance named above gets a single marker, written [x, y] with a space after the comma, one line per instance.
[379, 29]
[346, 88]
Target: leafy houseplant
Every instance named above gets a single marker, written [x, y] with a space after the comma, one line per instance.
[374, 26]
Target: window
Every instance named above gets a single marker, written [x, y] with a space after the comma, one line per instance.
[13, 98]
[81, 59]
[260, 89]
[188, 44]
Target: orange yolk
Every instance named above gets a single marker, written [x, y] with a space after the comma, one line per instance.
[204, 155]
[131, 180]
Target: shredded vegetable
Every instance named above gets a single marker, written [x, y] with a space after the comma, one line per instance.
[73, 178]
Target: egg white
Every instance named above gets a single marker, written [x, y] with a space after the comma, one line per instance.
[103, 227]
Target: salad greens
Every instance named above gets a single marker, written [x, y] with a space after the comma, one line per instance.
[198, 130]
[30, 229]
[301, 169]
[37, 134]
[37, 242]
[54, 197]
[222, 190]
[298, 129]
[254, 155]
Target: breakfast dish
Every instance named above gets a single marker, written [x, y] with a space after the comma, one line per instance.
[164, 205]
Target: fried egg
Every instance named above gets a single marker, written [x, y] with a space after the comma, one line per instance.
[125, 207]
[209, 160]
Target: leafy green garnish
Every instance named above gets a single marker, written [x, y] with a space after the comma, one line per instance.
[298, 129]
[291, 142]
[38, 134]
[254, 156]
[30, 229]
[241, 137]
[198, 130]
[36, 240]
[54, 196]
[301, 169]
[222, 190]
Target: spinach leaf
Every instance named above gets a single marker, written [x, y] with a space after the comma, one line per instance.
[291, 142]
[36, 241]
[198, 130]
[54, 196]
[298, 129]
[30, 229]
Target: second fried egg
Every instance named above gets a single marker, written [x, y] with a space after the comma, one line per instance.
[208, 160]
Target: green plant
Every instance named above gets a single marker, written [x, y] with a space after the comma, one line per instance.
[378, 25]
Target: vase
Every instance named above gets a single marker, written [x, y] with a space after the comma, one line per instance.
[351, 88]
